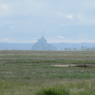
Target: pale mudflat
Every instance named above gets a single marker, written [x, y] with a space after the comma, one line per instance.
[68, 65]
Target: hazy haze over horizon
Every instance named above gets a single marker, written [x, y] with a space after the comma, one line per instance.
[69, 21]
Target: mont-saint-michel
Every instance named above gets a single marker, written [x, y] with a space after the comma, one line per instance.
[43, 45]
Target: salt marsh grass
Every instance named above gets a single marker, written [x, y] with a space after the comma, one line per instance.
[32, 73]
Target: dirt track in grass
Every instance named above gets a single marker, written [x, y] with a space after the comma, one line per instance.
[64, 65]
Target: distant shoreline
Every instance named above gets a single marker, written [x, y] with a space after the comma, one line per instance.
[59, 46]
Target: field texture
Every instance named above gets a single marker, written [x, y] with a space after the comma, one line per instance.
[33, 73]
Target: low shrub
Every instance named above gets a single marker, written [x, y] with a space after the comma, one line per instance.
[53, 91]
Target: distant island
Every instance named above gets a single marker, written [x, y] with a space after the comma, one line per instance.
[43, 45]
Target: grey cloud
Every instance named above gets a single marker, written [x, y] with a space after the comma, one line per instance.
[52, 17]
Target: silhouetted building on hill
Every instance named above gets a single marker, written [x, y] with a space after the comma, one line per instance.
[43, 45]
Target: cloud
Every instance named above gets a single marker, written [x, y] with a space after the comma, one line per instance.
[85, 20]
[4, 9]
[82, 18]
[5, 40]
[13, 27]
[22, 8]
[15, 40]
[70, 41]
[61, 18]
[60, 14]
[60, 37]
[69, 16]
[1, 23]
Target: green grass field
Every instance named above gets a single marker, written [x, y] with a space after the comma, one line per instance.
[32, 73]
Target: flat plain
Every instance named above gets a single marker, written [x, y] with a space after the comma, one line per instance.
[25, 72]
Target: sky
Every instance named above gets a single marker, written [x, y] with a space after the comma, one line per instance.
[69, 21]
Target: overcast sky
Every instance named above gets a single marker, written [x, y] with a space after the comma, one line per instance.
[24, 21]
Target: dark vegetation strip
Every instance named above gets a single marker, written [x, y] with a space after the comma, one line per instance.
[49, 61]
